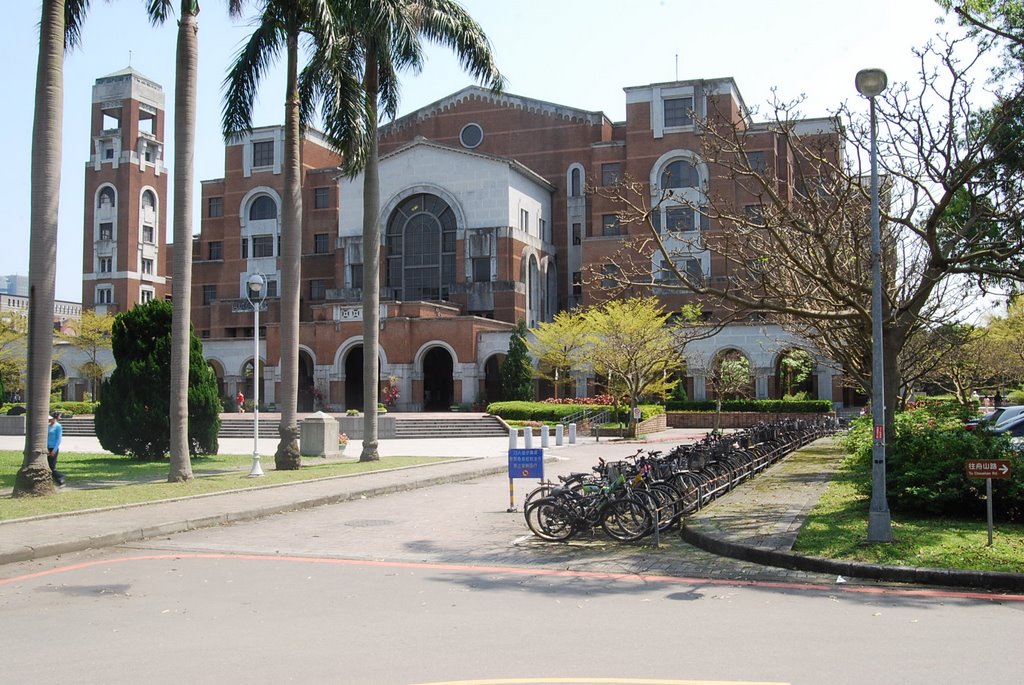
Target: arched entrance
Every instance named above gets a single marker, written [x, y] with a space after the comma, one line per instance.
[354, 378]
[218, 371]
[794, 375]
[59, 381]
[438, 382]
[248, 383]
[730, 378]
[492, 379]
[305, 402]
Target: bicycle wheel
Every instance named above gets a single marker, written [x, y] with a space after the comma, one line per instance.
[550, 520]
[688, 486]
[670, 506]
[627, 519]
[543, 490]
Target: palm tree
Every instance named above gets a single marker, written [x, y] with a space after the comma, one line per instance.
[386, 37]
[186, 76]
[280, 25]
[58, 28]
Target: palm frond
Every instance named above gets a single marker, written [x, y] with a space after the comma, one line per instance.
[74, 15]
[250, 66]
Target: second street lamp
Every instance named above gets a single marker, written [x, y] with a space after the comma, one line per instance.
[870, 84]
[256, 293]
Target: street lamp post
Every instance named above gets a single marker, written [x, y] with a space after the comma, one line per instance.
[256, 293]
[870, 84]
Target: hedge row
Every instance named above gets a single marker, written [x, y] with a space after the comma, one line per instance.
[545, 411]
[762, 406]
[67, 408]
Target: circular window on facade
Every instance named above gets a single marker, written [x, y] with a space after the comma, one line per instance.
[471, 135]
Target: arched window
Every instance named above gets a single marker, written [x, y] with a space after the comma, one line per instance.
[575, 184]
[420, 248]
[107, 198]
[263, 207]
[679, 174]
[148, 200]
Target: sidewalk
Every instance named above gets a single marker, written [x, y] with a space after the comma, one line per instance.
[755, 523]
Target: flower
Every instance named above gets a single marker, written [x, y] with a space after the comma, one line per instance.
[342, 441]
[389, 392]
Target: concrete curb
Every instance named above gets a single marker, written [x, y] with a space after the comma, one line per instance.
[987, 580]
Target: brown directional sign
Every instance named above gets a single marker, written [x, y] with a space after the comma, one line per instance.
[988, 468]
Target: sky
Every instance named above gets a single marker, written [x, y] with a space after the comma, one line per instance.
[578, 53]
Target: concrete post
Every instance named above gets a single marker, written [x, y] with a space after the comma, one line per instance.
[528, 437]
[545, 432]
[513, 438]
[572, 433]
[559, 434]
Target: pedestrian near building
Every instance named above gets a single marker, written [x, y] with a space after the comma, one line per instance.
[54, 433]
[240, 399]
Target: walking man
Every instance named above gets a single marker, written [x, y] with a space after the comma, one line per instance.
[53, 437]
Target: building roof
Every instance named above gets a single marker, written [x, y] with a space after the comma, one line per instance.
[508, 99]
[420, 141]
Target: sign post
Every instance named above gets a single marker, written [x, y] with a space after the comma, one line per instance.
[523, 463]
[988, 469]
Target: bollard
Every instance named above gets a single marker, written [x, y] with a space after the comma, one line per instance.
[572, 433]
[545, 433]
[559, 434]
[513, 438]
[528, 437]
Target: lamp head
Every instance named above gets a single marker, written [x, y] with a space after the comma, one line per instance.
[256, 283]
[871, 82]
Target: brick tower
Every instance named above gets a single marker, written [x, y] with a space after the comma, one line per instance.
[125, 248]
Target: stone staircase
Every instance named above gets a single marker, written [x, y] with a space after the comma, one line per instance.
[448, 426]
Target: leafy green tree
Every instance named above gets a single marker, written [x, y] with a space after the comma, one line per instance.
[730, 379]
[556, 344]
[517, 370]
[796, 366]
[91, 335]
[133, 418]
[384, 38]
[13, 331]
[634, 344]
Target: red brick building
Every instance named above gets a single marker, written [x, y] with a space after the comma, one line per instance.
[485, 220]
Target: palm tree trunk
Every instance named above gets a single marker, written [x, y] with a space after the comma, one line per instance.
[34, 477]
[185, 78]
[287, 455]
[371, 270]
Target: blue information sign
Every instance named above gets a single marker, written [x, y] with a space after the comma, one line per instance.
[526, 463]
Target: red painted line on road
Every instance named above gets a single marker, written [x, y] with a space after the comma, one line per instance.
[472, 568]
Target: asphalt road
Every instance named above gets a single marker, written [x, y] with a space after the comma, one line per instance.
[443, 585]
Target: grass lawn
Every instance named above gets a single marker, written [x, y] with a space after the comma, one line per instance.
[104, 480]
[837, 528]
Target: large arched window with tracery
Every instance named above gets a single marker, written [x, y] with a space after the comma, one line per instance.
[420, 248]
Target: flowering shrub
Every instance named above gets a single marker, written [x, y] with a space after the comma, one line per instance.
[342, 441]
[389, 392]
[596, 399]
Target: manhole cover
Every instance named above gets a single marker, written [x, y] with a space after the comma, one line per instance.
[368, 523]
